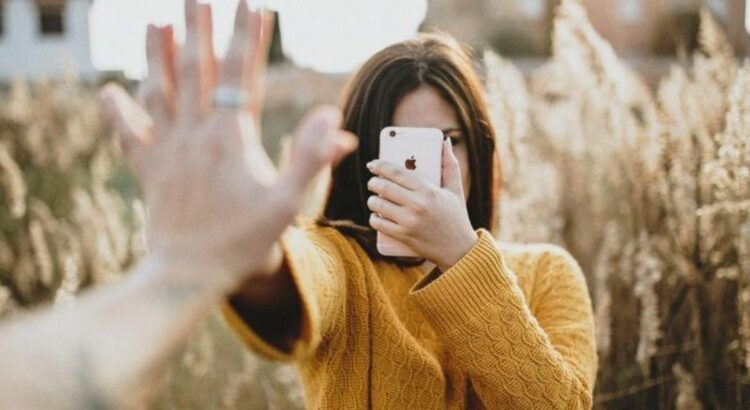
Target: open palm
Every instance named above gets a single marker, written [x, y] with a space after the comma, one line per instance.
[215, 199]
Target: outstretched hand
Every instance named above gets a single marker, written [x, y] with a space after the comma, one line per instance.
[216, 203]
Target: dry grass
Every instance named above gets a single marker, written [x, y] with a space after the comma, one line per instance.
[649, 189]
[64, 224]
[70, 218]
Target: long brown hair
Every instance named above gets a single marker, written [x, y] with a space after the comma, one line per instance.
[369, 102]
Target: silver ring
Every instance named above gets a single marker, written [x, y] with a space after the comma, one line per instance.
[230, 98]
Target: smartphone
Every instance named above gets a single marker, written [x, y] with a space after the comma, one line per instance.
[418, 150]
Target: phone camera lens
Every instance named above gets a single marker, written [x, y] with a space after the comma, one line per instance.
[393, 133]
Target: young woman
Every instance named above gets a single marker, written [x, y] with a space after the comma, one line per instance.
[469, 324]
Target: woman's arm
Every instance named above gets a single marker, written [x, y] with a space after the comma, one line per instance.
[109, 349]
[286, 314]
[513, 356]
[270, 304]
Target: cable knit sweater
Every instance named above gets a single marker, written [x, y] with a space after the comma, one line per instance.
[506, 327]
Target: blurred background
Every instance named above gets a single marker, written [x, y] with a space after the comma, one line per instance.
[624, 133]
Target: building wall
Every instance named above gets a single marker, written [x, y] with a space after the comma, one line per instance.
[512, 27]
[732, 14]
[644, 27]
[24, 52]
[633, 27]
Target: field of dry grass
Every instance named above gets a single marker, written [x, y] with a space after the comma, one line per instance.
[649, 189]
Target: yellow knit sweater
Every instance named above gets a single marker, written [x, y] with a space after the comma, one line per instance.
[506, 327]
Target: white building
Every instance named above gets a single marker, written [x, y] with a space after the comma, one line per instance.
[44, 38]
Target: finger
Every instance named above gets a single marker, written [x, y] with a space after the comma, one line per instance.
[194, 67]
[407, 179]
[152, 94]
[343, 145]
[169, 49]
[387, 227]
[236, 67]
[317, 143]
[386, 209]
[256, 86]
[168, 68]
[133, 125]
[390, 190]
[208, 57]
[451, 170]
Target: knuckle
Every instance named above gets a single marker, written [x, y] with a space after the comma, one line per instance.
[407, 240]
[390, 208]
[431, 193]
[387, 190]
[374, 222]
[420, 206]
[373, 184]
[410, 223]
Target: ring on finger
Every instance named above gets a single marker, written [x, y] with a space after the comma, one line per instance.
[230, 98]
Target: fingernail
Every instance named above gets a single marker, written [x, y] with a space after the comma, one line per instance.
[371, 165]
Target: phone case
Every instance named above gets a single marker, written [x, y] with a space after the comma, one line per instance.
[418, 150]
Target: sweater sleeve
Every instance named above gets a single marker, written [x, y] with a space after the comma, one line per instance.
[513, 357]
[317, 269]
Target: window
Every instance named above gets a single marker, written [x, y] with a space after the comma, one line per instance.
[51, 18]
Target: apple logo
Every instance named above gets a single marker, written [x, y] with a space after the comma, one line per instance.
[411, 163]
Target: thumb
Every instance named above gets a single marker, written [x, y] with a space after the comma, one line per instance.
[318, 142]
[132, 123]
[451, 170]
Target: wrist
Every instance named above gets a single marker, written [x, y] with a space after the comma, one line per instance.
[184, 272]
[212, 273]
[461, 248]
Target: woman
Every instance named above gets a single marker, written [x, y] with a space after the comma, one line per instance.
[471, 323]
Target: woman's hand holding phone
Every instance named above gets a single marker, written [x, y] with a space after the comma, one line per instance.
[431, 220]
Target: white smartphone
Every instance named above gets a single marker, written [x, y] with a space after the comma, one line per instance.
[417, 150]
